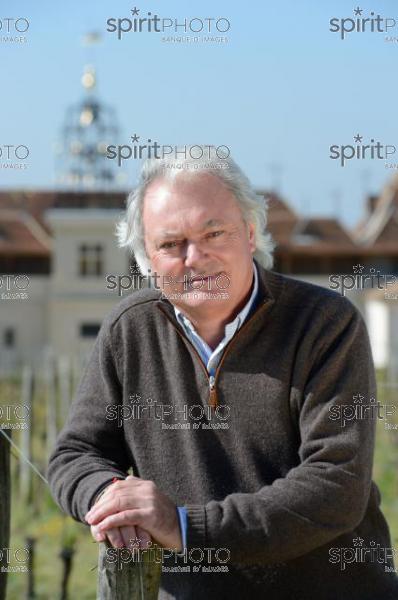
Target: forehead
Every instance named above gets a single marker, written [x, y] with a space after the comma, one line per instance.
[185, 202]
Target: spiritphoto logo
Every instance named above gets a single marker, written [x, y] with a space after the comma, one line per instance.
[205, 560]
[171, 29]
[13, 30]
[361, 22]
[363, 411]
[13, 156]
[360, 280]
[14, 287]
[14, 560]
[14, 416]
[185, 416]
[359, 553]
[152, 149]
[170, 286]
[361, 150]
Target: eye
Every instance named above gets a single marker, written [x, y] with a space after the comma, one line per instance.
[214, 234]
[168, 245]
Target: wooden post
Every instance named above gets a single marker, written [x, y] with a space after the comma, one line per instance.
[25, 486]
[5, 503]
[121, 579]
[76, 372]
[66, 555]
[64, 378]
[30, 593]
[51, 402]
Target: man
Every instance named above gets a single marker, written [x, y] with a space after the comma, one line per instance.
[228, 378]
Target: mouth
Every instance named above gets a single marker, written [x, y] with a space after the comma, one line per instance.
[205, 278]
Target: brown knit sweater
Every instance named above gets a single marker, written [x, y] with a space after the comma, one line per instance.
[275, 483]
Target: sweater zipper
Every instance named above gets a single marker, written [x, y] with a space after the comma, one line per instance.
[213, 392]
[212, 379]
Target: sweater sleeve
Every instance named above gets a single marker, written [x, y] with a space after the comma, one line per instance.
[90, 450]
[324, 496]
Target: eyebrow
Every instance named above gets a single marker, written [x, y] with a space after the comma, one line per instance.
[207, 225]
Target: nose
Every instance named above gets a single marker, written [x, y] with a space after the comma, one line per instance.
[193, 254]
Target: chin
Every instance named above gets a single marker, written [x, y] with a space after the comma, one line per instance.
[208, 300]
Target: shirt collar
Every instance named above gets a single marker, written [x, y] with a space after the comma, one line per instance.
[232, 327]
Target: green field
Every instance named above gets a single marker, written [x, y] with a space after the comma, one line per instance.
[42, 520]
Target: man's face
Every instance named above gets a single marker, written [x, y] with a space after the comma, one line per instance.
[198, 244]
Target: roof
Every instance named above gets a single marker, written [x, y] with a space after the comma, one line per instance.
[22, 235]
[322, 230]
[380, 226]
[282, 219]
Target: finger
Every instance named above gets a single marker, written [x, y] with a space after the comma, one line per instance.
[129, 535]
[97, 535]
[144, 537]
[115, 500]
[124, 518]
[108, 506]
[115, 537]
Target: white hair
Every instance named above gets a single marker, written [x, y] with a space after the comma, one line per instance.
[130, 230]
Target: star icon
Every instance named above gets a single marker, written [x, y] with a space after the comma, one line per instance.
[358, 268]
[134, 269]
[135, 542]
[358, 138]
[134, 398]
[135, 11]
[358, 541]
[135, 138]
[358, 11]
[358, 398]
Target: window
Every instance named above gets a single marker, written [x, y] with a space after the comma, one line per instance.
[9, 337]
[91, 260]
[89, 330]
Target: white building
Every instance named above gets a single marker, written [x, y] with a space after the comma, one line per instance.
[53, 292]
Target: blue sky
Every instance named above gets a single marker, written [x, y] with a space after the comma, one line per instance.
[279, 93]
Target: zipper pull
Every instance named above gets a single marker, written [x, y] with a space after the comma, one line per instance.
[213, 392]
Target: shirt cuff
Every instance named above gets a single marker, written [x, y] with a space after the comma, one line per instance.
[182, 516]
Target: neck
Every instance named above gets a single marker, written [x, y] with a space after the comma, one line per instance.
[211, 331]
[212, 328]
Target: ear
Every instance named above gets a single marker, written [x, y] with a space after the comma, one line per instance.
[251, 233]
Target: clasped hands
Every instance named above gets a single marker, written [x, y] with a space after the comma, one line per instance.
[132, 513]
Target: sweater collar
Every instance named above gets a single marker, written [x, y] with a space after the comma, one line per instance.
[232, 326]
[265, 294]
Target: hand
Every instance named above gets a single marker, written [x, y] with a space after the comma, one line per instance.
[136, 506]
[120, 537]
